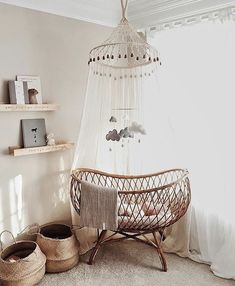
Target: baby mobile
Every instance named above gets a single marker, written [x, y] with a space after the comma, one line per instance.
[126, 61]
[125, 133]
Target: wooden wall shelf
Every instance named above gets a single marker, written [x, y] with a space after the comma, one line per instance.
[28, 107]
[19, 151]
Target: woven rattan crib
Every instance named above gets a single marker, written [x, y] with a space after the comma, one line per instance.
[147, 204]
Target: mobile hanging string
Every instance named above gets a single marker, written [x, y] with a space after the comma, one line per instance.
[124, 4]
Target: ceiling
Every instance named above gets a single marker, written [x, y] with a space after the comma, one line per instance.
[142, 13]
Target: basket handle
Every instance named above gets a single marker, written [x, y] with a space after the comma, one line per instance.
[5, 231]
[75, 227]
[29, 228]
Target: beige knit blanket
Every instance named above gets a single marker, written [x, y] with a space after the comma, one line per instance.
[98, 207]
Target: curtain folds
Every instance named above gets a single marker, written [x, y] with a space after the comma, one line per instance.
[197, 82]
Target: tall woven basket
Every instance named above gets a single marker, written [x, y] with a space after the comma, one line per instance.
[60, 246]
[22, 264]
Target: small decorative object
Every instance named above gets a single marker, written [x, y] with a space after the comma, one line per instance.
[21, 263]
[34, 132]
[50, 139]
[33, 96]
[18, 92]
[113, 135]
[112, 119]
[125, 133]
[60, 246]
[33, 82]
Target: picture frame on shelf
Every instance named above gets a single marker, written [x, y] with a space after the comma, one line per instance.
[34, 132]
[34, 90]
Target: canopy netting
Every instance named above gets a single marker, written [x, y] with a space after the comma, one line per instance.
[123, 129]
[121, 82]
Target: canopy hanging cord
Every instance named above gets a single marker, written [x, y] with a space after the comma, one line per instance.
[124, 4]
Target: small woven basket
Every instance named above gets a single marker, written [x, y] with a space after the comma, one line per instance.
[60, 246]
[22, 263]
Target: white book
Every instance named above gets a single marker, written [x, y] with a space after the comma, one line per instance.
[33, 82]
[17, 92]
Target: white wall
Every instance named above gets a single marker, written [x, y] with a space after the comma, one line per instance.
[35, 188]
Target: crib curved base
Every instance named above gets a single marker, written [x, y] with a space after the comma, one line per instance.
[156, 243]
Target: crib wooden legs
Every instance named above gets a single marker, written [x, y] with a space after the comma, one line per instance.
[156, 243]
[160, 252]
[97, 246]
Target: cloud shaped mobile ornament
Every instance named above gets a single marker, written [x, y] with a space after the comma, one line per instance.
[137, 128]
[113, 135]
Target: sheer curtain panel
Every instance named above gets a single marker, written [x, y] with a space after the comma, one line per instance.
[197, 82]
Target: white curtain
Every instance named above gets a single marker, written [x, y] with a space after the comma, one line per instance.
[197, 85]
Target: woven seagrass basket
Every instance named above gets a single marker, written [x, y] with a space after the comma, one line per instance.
[22, 264]
[60, 246]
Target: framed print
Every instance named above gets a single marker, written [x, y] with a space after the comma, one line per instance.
[34, 132]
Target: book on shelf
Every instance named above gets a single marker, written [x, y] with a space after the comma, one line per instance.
[18, 92]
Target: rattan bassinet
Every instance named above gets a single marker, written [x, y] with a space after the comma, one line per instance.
[147, 204]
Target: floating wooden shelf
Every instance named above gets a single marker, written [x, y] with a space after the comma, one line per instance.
[19, 151]
[28, 107]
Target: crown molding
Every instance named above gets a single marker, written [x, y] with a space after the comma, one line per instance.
[143, 6]
[152, 12]
[141, 13]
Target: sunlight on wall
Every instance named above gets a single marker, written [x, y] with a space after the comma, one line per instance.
[60, 183]
[16, 203]
[63, 181]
